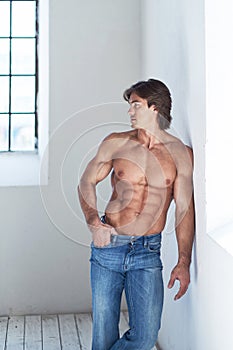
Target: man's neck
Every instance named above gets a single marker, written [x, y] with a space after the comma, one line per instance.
[150, 139]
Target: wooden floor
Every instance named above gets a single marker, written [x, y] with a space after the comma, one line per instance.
[49, 332]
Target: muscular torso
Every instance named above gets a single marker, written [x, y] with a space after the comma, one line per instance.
[142, 181]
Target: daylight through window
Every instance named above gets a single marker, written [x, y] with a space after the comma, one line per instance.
[18, 75]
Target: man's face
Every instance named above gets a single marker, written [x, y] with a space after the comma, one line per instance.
[141, 116]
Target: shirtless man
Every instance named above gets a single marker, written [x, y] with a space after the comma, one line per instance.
[149, 168]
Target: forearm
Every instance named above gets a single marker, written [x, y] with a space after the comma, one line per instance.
[101, 233]
[185, 235]
[88, 202]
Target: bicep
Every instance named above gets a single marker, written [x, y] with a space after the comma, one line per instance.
[99, 167]
[183, 188]
[103, 171]
[96, 171]
[183, 185]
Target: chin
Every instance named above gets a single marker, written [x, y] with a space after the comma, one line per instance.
[134, 126]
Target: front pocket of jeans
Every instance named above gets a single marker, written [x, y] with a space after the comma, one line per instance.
[154, 247]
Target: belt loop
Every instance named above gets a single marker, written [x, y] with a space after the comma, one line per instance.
[144, 241]
[113, 239]
[132, 240]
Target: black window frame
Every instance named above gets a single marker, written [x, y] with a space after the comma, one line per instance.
[10, 75]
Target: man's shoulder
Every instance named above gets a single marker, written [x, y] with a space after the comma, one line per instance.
[112, 142]
[177, 145]
[120, 136]
[181, 153]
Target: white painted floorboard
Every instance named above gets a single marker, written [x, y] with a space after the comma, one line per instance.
[69, 332]
[84, 324]
[3, 331]
[50, 332]
[33, 333]
[15, 333]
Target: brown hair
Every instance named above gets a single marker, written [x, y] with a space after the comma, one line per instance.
[156, 93]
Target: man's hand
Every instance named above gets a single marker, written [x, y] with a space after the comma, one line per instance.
[182, 274]
[102, 234]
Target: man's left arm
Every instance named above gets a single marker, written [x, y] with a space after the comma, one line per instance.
[183, 196]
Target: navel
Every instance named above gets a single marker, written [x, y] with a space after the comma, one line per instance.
[120, 173]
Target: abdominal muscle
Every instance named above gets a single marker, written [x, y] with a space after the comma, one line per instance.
[128, 201]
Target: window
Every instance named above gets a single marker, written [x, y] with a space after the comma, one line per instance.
[18, 75]
[219, 78]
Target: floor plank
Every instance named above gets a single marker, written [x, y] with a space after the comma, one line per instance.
[69, 334]
[51, 335]
[3, 331]
[33, 333]
[50, 332]
[84, 324]
[15, 333]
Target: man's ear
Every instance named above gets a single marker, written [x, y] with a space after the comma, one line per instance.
[153, 107]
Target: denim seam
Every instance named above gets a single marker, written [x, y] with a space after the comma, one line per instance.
[132, 316]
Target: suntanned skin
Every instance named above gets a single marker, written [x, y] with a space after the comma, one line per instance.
[149, 168]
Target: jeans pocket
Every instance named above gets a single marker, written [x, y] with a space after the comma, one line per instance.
[154, 247]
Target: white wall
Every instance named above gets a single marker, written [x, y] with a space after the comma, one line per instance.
[174, 51]
[94, 56]
[219, 82]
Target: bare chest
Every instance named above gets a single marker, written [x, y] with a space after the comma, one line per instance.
[139, 165]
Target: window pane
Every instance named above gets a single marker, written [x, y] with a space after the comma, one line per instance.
[4, 94]
[23, 56]
[23, 94]
[4, 18]
[22, 132]
[4, 132]
[4, 56]
[23, 18]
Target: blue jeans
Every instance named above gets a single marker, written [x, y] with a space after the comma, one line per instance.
[132, 264]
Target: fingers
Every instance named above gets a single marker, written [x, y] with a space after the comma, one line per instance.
[182, 275]
[101, 242]
[181, 292]
[112, 229]
[171, 281]
[102, 235]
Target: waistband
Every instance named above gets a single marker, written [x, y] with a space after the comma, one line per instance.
[125, 239]
[144, 240]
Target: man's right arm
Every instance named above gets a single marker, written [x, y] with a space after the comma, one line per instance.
[97, 170]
